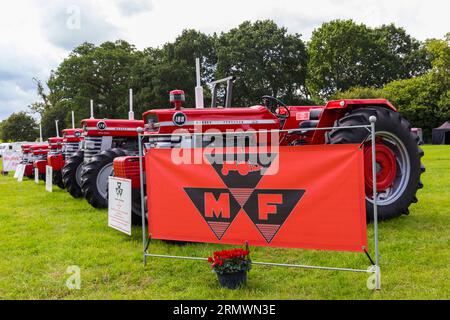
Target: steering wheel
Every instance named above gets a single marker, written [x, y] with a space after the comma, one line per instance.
[273, 104]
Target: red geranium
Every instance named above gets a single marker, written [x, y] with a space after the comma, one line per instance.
[230, 261]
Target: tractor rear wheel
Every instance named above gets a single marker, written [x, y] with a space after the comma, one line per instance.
[136, 206]
[94, 177]
[57, 179]
[397, 155]
[71, 174]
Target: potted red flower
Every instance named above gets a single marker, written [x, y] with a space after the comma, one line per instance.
[231, 267]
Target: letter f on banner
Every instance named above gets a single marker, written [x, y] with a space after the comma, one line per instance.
[267, 204]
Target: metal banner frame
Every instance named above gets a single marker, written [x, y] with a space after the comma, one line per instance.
[373, 269]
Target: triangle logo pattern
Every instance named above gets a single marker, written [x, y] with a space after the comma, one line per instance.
[269, 209]
[218, 207]
[245, 170]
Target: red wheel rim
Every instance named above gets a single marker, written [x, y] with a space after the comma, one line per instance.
[386, 166]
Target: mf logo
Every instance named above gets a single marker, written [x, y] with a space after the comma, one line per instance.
[119, 190]
[268, 209]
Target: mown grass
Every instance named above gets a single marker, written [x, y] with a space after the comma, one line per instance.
[42, 234]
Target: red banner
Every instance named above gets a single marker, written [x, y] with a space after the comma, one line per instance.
[299, 197]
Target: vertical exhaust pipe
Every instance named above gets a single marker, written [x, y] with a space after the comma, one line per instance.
[92, 109]
[131, 113]
[199, 101]
[57, 129]
[40, 132]
[73, 120]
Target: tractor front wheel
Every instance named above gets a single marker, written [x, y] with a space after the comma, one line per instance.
[397, 158]
[94, 177]
[71, 174]
[57, 179]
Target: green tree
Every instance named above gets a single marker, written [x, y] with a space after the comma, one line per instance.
[173, 67]
[424, 100]
[102, 73]
[19, 127]
[266, 61]
[344, 54]
[360, 93]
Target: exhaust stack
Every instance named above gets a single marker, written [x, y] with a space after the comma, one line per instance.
[199, 101]
[73, 120]
[131, 113]
[40, 133]
[57, 129]
[92, 109]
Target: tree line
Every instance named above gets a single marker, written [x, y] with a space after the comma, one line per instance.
[343, 59]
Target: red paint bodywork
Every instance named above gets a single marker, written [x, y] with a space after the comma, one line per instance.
[252, 118]
[128, 168]
[72, 135]
[114, 127]
[56, 161]
[55, 158]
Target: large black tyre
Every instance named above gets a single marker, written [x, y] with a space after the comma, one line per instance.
[57, 179]
[71, 174]
[136, 207]
[94, 177]
[394, 132]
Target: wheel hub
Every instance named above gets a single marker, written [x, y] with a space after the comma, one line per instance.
[386, 167]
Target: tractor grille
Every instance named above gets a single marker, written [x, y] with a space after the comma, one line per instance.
[93, 146]
[70, 148]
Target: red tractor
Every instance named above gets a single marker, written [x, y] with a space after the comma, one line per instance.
[69, 143]
[39, 157]
[86, 172]
[398, 155]
[27, 160]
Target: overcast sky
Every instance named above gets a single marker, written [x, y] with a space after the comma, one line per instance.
[36, 35]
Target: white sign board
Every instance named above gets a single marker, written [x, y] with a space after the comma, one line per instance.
[119, 204]
[36, 175]
[16, 173]
[21, 171]
[49, 178]
[11, 159]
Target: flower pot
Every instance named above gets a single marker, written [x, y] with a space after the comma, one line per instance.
[232, 280]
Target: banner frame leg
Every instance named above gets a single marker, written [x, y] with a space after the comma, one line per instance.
[373, 120]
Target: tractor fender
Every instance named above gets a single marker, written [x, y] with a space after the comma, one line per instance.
[128, 167]
[336, 109]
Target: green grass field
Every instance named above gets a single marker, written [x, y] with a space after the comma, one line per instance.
[42, 234]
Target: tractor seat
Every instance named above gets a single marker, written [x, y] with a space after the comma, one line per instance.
[309, 124]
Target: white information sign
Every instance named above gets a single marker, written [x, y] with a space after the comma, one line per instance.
[49, 178]
[119, 204]
[36, 175]
[21, 171]
[16, 173]
[11, 160]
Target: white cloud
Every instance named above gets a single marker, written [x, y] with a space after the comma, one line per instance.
[132, 7]
[34, 37]
[67, 25]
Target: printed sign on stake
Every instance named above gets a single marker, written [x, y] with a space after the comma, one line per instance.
[48, 178]
[16, 172]
[20, 173]
[119, 204]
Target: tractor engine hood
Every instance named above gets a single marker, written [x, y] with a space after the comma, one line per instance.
[111, 127]
[167, 121]
[72, 135]
[55, 143]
